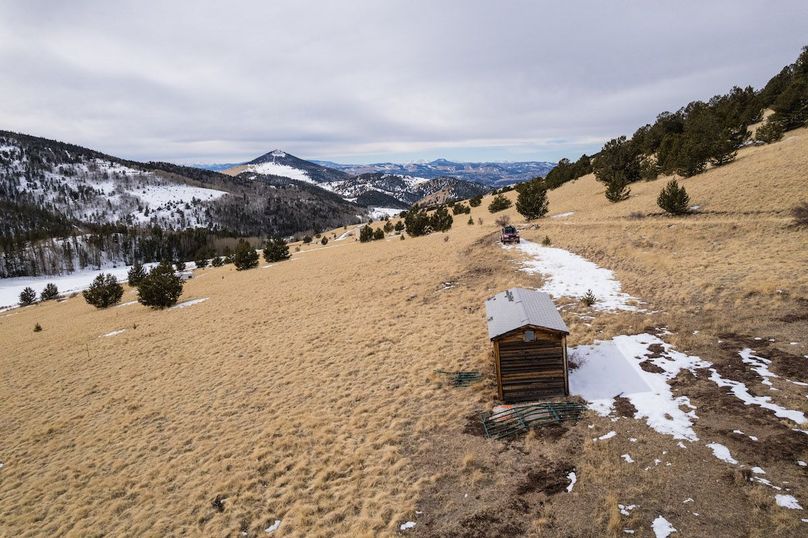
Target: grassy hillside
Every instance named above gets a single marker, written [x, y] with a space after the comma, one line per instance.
[305, 391]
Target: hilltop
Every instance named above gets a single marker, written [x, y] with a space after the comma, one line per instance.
[328, 416]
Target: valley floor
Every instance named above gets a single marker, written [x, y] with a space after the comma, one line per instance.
[305, 391]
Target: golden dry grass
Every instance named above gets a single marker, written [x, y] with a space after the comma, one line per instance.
[305, 391]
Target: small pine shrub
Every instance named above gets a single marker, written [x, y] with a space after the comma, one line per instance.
[475, 201]
[546, 241]
[674, 199]
[499, 203]
[37, 327]
[49, 293]
[201, 263]
[589, 298]
[276, 250]
[27, 296]
[388, 227]
[378, 233]
[470, 221]
[399, 226]
[135, 274]
[104, 291]
[217, 261]
[366, 234]
[307, 239]
[441, 220]
[617, 191]
[161, 288]
[245, 256]
[180, 265]
[771, 131]
[402, 238]
[800, 214]
[324, 240]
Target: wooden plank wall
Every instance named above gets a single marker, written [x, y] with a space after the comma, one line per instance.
[530, 370]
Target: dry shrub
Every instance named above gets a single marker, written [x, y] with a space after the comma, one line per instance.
[502, 220]
[800, 214]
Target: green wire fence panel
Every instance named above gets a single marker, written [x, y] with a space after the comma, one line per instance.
[461, 379]
[520, 418]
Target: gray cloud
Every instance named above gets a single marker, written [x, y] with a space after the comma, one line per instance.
[359, 81]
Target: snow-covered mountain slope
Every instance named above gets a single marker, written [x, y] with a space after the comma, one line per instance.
[281, 164]
[374, 189]
[488, 173]
[98, 189]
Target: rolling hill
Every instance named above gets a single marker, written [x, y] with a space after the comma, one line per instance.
[335, 427]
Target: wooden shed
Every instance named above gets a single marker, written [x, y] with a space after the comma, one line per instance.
[530, 345]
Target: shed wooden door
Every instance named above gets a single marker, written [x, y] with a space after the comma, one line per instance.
[531, 370]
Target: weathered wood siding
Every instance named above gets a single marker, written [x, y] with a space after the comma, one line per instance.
[530, 370]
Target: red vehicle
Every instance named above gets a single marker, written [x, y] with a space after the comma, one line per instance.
[509, 235]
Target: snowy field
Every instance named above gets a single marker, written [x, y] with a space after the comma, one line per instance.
[10, 288]
[569, 275]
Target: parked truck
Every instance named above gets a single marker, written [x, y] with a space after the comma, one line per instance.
[509, 234]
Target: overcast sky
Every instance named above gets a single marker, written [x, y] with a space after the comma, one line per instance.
[349, 81]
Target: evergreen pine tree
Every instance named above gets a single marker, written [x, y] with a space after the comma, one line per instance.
[399, 226]
[769, 132]
[136, 274]
[276, 250]
[531, 202]
[180, 265]
[499, 203]
[104, 291]
[245, 256]
[50, 292]
[201, 262]
[470, 222]
[441, 220]
[378, 233]
[388, 227]
[217, 261]
[674, 199]
[416, 222]
[366, 233]
[161, 288]
[617, 191]
[27, 296]
[475, 201]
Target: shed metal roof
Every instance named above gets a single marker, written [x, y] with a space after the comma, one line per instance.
[517, 307]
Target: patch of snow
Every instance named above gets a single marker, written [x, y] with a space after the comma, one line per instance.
[688, 500]
[114, 333]
[787, 501]
[627, 458]
[381, 212]
[765, 482]
[606, 436]
[573, 478]
[721, 452]
[10, 288]
[129, 303]
[406, 526]
[759, 364]
[272, 528]
[192, 302]
[626, 509]
[607, 369]
[741, 392]
[283, 170]
[563, 215]
[802, 463]
[662, 527]
[758, 470]
[569, 275]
